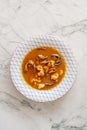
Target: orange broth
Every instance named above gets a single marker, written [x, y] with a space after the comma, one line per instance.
[46, 51]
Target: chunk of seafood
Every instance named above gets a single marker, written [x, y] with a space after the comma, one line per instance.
[44, 62]
[39, 67]
[54, 76]
[46, 68]
[41, 73]
[36, 80]
[56, 56]
[40, 86]
[49, 84]
[41, 70]
[52, 70]
[26, 67]
[61, 72]
[41, 57]
[58, 63]
[31, 62]
[28, 64]
[51, 63]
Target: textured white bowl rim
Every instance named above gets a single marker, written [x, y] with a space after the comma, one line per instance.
[56, 92]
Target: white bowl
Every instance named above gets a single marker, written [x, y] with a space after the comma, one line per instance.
[43, 95]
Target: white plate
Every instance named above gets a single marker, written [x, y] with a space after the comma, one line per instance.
[56, 92]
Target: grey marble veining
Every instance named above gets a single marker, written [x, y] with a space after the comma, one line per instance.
[20, 19]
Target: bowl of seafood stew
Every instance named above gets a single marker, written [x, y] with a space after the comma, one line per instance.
[43, 68]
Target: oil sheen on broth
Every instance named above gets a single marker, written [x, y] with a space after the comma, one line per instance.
[43, 68]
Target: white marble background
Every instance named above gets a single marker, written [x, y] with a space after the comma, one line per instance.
[66, 19]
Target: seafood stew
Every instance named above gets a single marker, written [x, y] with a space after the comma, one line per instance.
[43, 68]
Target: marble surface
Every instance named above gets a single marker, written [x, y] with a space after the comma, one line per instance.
[20, 19]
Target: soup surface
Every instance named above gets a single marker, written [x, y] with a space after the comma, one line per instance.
[43, 68]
